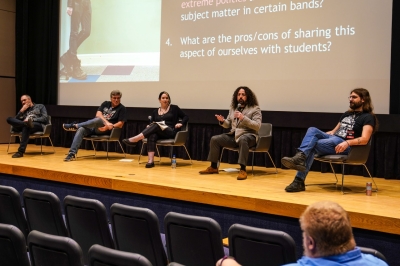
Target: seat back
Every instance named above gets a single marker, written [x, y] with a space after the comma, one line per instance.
[359, 154]
[11, 210]
[264, 137]
[12, 246]
[43, 212]
[193, 240]
[50, 250]
[115, 134]
[182, 135]
[257, 246]
[374, 252]
[47, 128]
[87, 223]
[137, 230]
[102, 256]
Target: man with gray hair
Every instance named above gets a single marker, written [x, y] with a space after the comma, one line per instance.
[110, 114]
[30, 119]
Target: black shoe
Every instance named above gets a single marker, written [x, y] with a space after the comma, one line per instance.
[18, 155]
[150, 165]
[69, 157]
[77, 71]
[297, 162]
[29, 122]
[70, 127]
[132, 144]
[296, 186]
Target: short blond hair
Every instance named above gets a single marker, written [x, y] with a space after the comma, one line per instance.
[329, 225]
[115, 92]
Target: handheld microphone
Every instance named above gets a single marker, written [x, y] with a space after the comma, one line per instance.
[149, 117]
[238, 107]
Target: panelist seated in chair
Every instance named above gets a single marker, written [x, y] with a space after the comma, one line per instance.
[327, 239]
[110, 114]
[167, 120]
[30, 119]
[355, 127]
[244, 120]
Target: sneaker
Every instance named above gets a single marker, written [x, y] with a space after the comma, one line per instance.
[297, 162]
[242, 175]
[18, 155]
[70, 127]
[209, 171]
[296, 186]
[69, 157]
[29, 122]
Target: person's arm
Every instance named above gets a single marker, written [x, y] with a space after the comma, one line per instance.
[183, 116]
[363, 140]
[252, 122]
[226, 123]
[42, 114]
[334, 130]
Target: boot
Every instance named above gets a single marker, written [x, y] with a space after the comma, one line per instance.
[66, 71]
[296, 186]
[297, 162]
[77, 72]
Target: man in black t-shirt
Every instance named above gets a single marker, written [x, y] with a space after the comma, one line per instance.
[355, 127]
[110, 114]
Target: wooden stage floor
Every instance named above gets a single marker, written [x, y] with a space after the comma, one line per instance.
[263, 192]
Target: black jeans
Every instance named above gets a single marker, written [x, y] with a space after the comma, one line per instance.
[19, 126]
[154, 132]
[81, 18]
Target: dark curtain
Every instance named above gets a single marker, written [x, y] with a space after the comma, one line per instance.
[37, 27]
[395, 62]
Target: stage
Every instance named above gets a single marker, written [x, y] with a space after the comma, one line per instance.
[262, 192]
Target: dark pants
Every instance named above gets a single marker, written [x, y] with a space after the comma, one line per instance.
[245, 142]
[154, 132]
[19, 126]
[81, 18]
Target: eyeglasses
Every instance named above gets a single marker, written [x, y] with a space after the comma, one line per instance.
[116, 98]
[353, 97]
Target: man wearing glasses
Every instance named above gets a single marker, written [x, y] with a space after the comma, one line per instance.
[110, 114]
[355, 127]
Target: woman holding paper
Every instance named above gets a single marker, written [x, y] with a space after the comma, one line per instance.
[167, 120]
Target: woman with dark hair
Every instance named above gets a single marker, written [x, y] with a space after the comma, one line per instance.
[167, 121]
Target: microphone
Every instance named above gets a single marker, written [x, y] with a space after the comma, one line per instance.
[238, 107]
[149, 117]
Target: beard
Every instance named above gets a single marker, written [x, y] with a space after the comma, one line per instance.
[355, 105]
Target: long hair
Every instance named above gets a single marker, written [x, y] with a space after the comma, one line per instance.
[164, 92]
[251, 97]
[368, 107]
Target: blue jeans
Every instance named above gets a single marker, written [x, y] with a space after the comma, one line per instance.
[317, 142]
[85, 129]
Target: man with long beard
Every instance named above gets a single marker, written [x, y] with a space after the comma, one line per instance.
[355, 127]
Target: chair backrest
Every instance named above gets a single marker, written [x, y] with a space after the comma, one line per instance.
[115, 134]
[50, 250]
[137, 230]
[12, 246]
[102, 256]
[182, 135]
[11, 210]
[257, 246]
[374, 252]
[87, 223]
[359, 154]
[264, 137]
[43, 212]
[193, 240]
[48, 127]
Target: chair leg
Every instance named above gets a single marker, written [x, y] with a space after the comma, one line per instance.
[376, 187]
[93, 148]
[220, 157]
[41, 147]
[188, 154]
[107, 149]
[52, 145]
[252, 164]
[272, 161]
[159, 155]
[122, 148]
[333, 171]
[342, 178]
[141, 150]
[9, 143]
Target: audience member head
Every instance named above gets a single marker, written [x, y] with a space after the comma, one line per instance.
[251, 97]
[115, 93]
[326, 230]
[164, 94]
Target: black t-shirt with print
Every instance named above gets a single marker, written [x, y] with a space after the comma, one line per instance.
[113, 115]
[354, 121]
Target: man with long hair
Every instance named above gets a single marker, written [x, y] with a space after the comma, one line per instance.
[244, 119]
[355, 127]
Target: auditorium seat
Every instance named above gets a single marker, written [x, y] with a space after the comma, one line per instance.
[102, 256]
[137, 230]
[257, 246]
[50, 250]
[193, 240]
[43, 212]
[87, 223]
[12, 246]
[11, 210]
[374, 252]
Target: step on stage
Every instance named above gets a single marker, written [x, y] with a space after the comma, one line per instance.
[262, 192]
